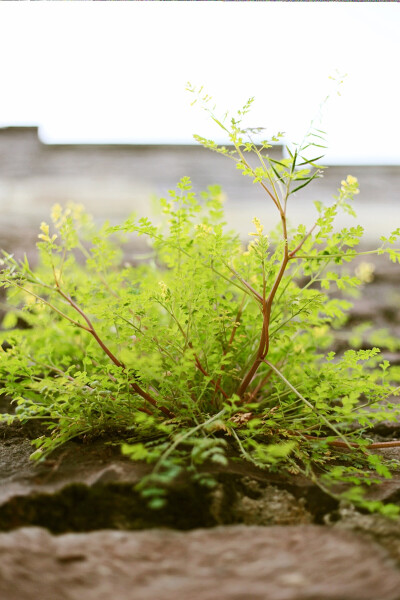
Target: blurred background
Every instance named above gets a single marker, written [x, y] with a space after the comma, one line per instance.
[93, 106]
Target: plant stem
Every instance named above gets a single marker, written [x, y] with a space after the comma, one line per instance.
[340, 444]
[256, 295]
[293, 253]
[267, 306]
[145, 395]
[346, 255]
[307, 403]
[24, 289]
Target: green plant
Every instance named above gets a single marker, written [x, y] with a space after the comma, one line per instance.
[210, 349]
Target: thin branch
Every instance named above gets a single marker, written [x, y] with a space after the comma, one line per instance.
[190, 345]
[340, 444]
[48, 304]
[246, 164]
[292, 254]
[227, 279]
[264, 340]
[306, 402]
[91, 329]
[347, 254]
[260, 385]
[145, 395]
[245, 283]
[217, 385]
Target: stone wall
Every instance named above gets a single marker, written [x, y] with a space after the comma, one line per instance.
[114, 180]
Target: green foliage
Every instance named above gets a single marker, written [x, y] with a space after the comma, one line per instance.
[210, 350]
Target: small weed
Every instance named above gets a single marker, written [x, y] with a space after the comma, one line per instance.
[210, 349]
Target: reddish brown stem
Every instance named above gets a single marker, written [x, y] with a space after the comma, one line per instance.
[112, 356]
[201, 368]
[264, 340]
[91, 329]
[256, 295]
[88, 387]
[340, 444]
[293, 253]
[260, 386]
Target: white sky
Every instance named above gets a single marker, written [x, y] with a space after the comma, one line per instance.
[116, 72]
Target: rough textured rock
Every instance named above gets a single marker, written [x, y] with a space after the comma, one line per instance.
[260, 504]
[90, 486]
[231, 563]
[378, 528]
[85, 487]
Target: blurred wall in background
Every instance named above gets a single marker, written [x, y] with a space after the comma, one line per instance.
[114, 180]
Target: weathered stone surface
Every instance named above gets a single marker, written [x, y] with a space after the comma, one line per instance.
[75, 463]
[376, 527]
[231, 563]
[89, 486]
[260, 504]
[85, 487]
